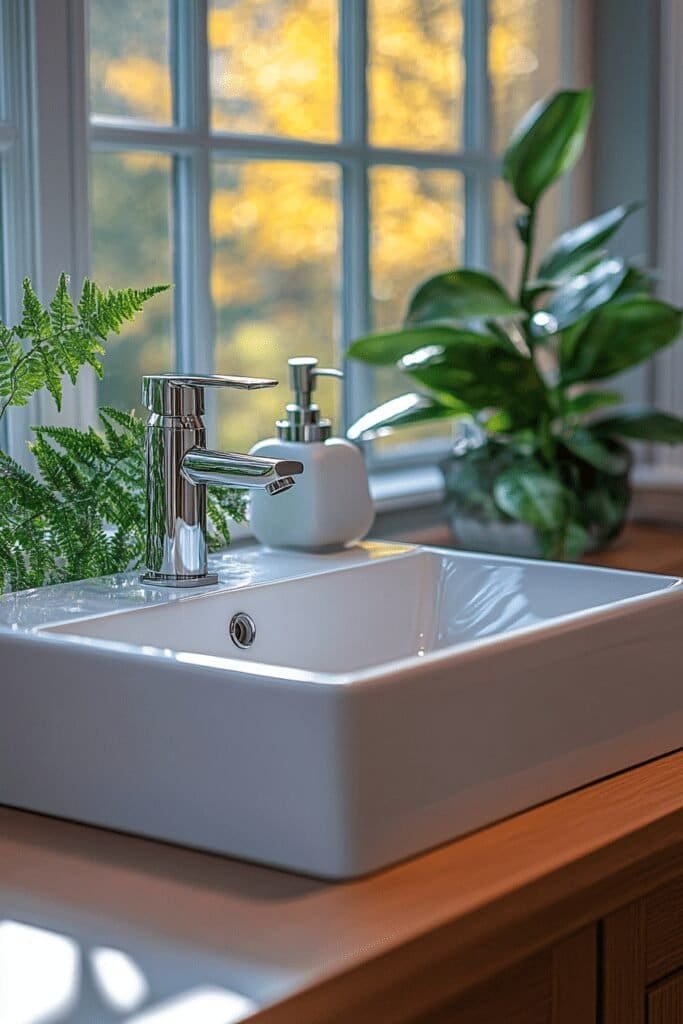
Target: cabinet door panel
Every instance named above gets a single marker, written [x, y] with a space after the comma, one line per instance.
[623, 974]
[663, 912]
[642, 959]
[557, 986]
[575, 979]
[665, 1002]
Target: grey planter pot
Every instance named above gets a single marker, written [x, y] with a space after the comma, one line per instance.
[478, 524]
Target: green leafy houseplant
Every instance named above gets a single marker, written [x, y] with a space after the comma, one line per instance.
[82, 513]
[526, 370]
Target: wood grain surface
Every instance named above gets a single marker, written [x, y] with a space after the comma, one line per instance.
[665, 1002]
[645, 548]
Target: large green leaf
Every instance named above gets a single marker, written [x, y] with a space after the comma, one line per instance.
[570, 338]
[387, 348]
[621, 334]
[460, 295]
[570, 249]
[643, 425]
[578, 297]
[405, 409]
[606, 457]
[590, 401]
[482, 373]
[537, 286]
[575, 540]
[637, 283]
[533, 496]
[547, 143]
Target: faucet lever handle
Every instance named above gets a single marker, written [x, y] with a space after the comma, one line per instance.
[180, 394]
[216, 380]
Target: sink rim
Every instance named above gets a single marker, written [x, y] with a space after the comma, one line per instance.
[55, 633]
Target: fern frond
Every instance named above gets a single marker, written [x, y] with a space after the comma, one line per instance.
[59, 339]
[35, 322]
[104, 313]
[63, 323]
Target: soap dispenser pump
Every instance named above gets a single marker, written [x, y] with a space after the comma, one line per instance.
[332, 507]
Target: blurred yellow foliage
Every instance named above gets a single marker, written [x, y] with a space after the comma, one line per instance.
[417, 228]
[273, 67]
[416, 73]
[142, 83]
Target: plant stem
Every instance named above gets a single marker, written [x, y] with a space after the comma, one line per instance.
[528, 255]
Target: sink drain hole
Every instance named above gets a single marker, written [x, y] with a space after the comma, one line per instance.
[242, 630]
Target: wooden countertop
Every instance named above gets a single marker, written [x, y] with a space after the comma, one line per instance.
[647, 548]
[310, 952]
[299, 951]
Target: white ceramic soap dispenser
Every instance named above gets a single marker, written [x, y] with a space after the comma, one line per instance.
[330, 506]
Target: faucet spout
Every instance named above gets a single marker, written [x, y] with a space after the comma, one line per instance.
[178, 468]
[230, 469]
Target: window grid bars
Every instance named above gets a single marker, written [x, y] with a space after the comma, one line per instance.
[192, 144]
[116, 134]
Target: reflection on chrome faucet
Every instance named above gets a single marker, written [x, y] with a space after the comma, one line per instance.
[179, 466]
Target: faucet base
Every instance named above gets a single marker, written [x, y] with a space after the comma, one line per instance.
[159, 579]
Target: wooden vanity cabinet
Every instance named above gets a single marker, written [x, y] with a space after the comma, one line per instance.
[625, 969]
[556, 986]
[642, 960]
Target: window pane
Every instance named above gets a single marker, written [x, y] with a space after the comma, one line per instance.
[416, 74]
[274, 67]
[274, 281]
[131, 247]
[129, 59]
[525, 58]
[418, 225]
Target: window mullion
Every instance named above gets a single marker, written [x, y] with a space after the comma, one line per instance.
[355, 290]
[192, 237]
[476, 136]
[476, 131]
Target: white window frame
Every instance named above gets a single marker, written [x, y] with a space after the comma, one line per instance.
[192, 144]
[63, 139]
[17, 183]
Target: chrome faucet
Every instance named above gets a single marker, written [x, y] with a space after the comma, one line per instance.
[178, 468]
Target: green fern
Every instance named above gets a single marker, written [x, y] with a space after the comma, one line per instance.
[83, 513]
[52, 341]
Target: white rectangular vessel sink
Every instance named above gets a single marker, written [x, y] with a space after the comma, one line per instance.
[387, 699]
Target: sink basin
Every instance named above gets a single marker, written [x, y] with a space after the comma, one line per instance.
[385, 700]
